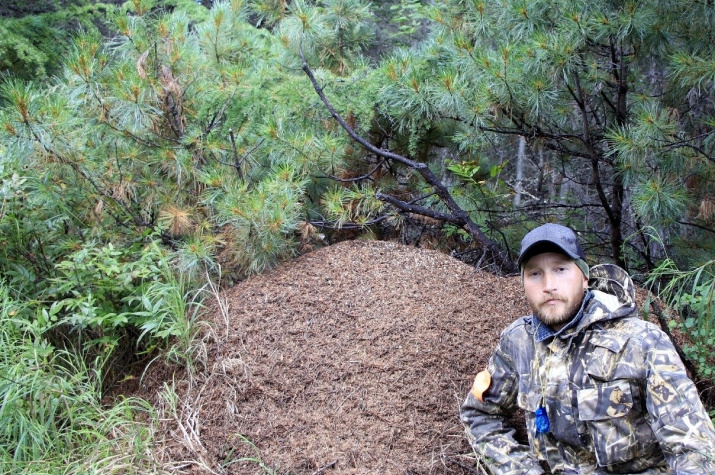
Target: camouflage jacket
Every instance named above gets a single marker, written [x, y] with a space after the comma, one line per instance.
[615, 391]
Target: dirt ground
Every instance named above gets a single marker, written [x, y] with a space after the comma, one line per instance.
[352, 359]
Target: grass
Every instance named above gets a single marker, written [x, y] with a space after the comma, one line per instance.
[53, 419]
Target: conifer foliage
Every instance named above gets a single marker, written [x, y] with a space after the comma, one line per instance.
[197, 128]
[181, 149]
[188, 132]
[612, 98]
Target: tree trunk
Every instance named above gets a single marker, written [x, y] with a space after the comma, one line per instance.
[519, 170]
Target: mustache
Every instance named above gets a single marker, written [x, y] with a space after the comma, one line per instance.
[552, 297]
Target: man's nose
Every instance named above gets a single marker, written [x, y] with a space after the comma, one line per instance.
[549, 282]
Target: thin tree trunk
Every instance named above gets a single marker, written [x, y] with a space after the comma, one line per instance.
[519, 170]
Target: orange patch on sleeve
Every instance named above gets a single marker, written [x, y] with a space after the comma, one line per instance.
[481, 384]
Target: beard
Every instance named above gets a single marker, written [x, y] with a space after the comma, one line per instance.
[557, 316]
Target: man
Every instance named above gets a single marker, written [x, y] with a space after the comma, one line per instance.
[603, 391]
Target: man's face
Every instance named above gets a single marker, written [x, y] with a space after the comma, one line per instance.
[554, 287]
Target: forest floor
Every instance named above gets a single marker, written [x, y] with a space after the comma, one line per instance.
[351, 359]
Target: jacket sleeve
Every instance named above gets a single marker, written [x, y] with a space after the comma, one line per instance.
[679, 420]
[489, 434]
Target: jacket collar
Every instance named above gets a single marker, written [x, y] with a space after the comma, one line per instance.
[544, 332]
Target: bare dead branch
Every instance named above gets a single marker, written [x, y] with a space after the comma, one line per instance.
[347, 226]
[415, 209]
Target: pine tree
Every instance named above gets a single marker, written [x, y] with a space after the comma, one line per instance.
[616, 95]
[193, 132]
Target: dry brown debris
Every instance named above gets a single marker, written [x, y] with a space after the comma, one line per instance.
[352, 359]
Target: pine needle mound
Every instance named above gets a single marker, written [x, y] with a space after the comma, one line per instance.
[352, 359]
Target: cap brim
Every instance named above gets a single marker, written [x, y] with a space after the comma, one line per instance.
[546, 244]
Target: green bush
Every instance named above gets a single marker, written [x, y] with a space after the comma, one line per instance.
[52, 419]
[34, 46]
[108, 296]
[691, 294]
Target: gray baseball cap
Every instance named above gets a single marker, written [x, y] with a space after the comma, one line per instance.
[545, 237]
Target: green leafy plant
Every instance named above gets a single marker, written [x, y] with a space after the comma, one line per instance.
[98, 287]
[52, 418]
[470, 170]
[691, 294]
[104, 295]
[454, 231]
[465, 169]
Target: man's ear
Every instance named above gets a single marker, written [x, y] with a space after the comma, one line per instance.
[585, 283]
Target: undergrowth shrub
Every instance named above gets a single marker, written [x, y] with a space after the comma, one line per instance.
[129, 300]
[691, 294]
[52, 419]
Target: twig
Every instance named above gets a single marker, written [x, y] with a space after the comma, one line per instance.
[358, 178]
[236, 160]
[348, 226]
[463, 465]
[219, 113]
[325, 467]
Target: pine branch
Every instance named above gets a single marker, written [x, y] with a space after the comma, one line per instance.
[458, 216]
[136, 219]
